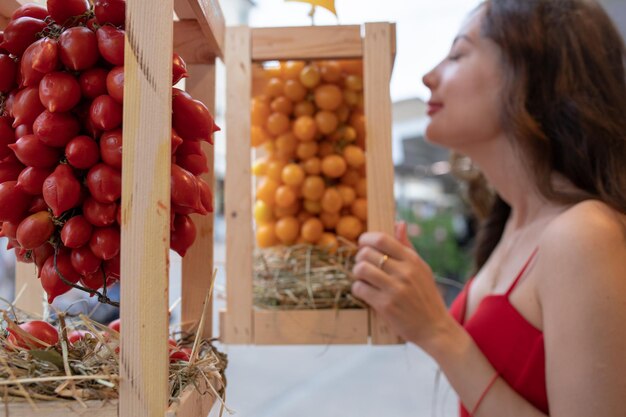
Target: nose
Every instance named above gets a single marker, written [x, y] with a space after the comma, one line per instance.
[429, 78]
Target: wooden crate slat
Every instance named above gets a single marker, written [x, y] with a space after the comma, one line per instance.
[192, 402]
[198, 263]
[183, 9]
[32, 298]
[314, 42]
[146, 208]
[7, 7]
[380, 175]
[237, 325]
[310, 327]
[64, 409]
[190, 43]
[211, 20]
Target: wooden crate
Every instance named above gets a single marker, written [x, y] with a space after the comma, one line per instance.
[374, 43]
[198, 36]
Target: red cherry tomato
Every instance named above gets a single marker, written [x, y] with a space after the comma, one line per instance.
[38, 204]
[59, 91]
[105, 113]
[112, 268]
[31, 180]
[76, 232]
[191, 118]
[78, 48]
[23, 130]
[10, 171]
[183, 235]
[30, 77]
[45, 57]
[206, 195]
[94, 281]
[9, 230]
[111, 148]
[40, 255]
[84, 261]
[179, 69]
[179, 355]
[110, 11]
[44, 335]
[115, 84]
[115, 325]
[196, 164]
[61, 190]
[93, 82]
[82, 152]
[8, 71]
[185, 191]
[77, 335]
[30, 151]
[20, 33]
[56, 129]
[104, 183]
[35, 230]
[176, 141]
[13, 202]
[99, 214]
[30, 10]
[62, 10]
[111, 44]
[105, 242]
[50, 280]
[7, 136]
[26, 106]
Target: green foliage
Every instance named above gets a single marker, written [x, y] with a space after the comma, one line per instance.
[437, 245]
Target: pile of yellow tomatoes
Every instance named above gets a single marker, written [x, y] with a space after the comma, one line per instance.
[308, 126]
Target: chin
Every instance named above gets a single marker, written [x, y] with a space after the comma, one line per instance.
[435, 136]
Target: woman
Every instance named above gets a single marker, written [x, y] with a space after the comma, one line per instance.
[534, 92]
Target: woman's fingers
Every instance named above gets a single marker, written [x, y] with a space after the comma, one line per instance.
[372, 275]
[368, 294]
[400, 231]
[385, 244]
[376, 258]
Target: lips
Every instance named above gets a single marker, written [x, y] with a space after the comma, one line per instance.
[433, 107]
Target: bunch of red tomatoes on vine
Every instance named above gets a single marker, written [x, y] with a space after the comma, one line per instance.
[62, 87]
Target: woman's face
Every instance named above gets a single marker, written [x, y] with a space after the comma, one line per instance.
[465, 102]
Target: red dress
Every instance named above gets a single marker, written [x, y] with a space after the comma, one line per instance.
[513, 346]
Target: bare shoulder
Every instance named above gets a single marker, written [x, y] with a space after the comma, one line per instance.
[587, 239]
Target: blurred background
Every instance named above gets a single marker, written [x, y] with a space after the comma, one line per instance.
[347, 381]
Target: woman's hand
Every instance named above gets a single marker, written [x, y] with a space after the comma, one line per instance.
[400, 287]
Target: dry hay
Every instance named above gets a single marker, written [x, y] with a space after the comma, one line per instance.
[303, 277]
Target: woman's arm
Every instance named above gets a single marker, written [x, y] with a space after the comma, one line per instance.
[405, 295]
[583, 301]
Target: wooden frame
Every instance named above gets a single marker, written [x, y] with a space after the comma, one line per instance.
[241, 323]
[198, 37]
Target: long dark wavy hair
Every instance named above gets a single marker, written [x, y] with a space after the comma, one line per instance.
[564, 101]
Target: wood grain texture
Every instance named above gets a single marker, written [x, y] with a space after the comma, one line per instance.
[32, 298]
[198, 263]
[310, 327]
[192, 402]
[238, 190]
[67, 408]
[146, 208]
[211, 20]
[380, 176]
[190, 43]
[7, 7]
[306, 42]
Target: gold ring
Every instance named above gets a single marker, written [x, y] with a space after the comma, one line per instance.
[382, 261]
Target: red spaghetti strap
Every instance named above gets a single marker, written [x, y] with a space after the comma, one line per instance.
[521, 273]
